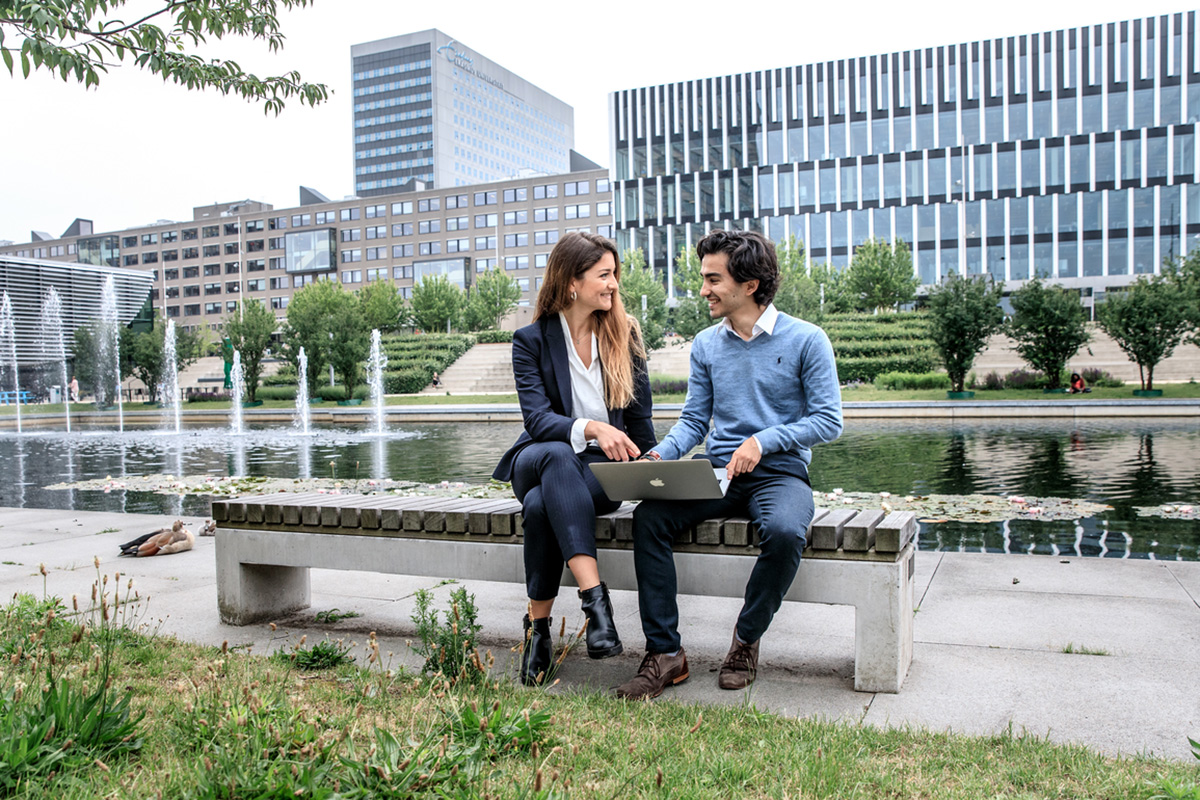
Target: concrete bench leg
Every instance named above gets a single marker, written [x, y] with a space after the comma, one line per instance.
[883, 630]
[249, 593]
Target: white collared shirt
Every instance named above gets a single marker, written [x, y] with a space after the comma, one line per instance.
[587, 389]
[765, 323]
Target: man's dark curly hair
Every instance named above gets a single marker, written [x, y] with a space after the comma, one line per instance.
[751, 258]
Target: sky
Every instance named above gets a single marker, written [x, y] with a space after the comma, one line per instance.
[135, 150]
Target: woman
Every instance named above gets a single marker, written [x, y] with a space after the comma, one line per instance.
[585, 397]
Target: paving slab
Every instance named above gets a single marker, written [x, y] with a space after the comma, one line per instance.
[987, 653]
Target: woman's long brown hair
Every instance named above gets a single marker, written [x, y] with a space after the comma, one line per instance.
[617, 333]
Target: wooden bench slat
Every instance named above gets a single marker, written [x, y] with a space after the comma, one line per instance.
[828, 529]
[895, 531]
[859, 533]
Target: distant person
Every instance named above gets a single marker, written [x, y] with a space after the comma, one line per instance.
[437, 381]
[1077, 384]
[73, 389]
[581, 379]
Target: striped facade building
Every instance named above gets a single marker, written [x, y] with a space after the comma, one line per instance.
[1069, 155]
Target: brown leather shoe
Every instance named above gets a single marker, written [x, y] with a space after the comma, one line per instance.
[657, 672]
[740, 667]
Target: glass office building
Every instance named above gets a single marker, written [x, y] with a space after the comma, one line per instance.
[431, 113]
[1068, 154]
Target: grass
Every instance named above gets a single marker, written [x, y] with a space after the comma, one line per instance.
[224, 724]
[334, 616]
[1077, 649]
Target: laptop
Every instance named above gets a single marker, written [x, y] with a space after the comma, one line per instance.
[691, 479]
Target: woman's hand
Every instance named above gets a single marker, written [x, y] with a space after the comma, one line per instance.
[612, 440]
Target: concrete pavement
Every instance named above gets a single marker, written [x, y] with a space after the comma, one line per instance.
[989, 634]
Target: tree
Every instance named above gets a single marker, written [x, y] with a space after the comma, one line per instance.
[79, 40]
[798, 294]
[1048, 327]
[250, 333]
[881, 276]
[1147, 322]
[436, 304]
[328, 323]
[833, 289]
[637, 281]
[382, 306]
[963, 315]
[690, 315]
[87, 360]
[1184, 273]
[493, 298]
[147, 353]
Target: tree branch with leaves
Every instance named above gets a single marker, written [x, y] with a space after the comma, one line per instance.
[80, 39]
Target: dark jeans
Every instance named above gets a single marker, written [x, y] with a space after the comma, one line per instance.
[780, 504]
[561, 498]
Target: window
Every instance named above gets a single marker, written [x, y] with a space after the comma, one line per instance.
[429, 204]
[456, 201]
[457, 223]
[352, 276]
[545, 192]
[516, 262]
[326, 217]
[170, 236]
[374, 212]
[577, 212]
[545, 237]
[256, 285]
[231, 229]
[191, 252]
[172, 292]
[212, 308]
[402, 229]
[255, 265]
[516, 240]
[192, 310]
[231, 306]
[602, 186]
[212, 288]
[429, 226]
[400, 273]
[351, 214]
[351, 234]
[231, 248]
[539, 261]
[485, 242]
[545, 214]
[515, 195]
[172, 311]
[254, 246]
[232, 268]
[378, 232]
[516, 217]
[279, 303]
[189, 234]
[212, 269]
[300, 220]
[171, 274]
[430, 248]
[485, 198]
[279, 283]
[170, 255]
[211, 231]
[212, 250]
[603, 209]
[458, 245]
[276, 243]
[486, 220]
[576, 187]
[150, 258]
[404, 207]
[402, 251]
[253, 225]
[149, 239]
[131, 261]
[232, 287]
[278, 262]
[349, 256]
[376, 253]
[277, 223]
[190, 272]
[605, 230]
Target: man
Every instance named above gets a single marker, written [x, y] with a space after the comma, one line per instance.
[769, 384]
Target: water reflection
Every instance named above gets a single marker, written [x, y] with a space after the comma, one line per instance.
[1121, 463]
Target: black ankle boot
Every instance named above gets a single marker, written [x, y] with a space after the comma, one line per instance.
[535, 659]
[602, 638]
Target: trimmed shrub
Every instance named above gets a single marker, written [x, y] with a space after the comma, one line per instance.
[1025, 379]
[279, 380]
[493, 337]
[865, 369]
[406, 381]
[1094, 376]
[208, 397]
[331, 393]
[661, 384]
[910, 380]
[276, 393]
[992, 381]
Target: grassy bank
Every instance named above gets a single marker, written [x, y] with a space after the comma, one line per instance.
[214, 723]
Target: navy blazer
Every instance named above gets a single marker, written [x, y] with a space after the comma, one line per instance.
[543, 377]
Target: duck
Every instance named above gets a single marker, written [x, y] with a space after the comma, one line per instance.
[162, 542]
[210, 528]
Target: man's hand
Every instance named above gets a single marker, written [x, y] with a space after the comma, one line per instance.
[744, 459]
[613, 441]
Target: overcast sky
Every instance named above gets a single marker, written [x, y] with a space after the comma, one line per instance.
[136, 150]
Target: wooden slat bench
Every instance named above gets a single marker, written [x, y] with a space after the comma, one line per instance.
[266, 546]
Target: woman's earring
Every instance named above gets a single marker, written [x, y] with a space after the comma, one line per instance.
[573, 296]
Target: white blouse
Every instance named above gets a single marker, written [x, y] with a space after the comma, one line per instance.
[587, 389]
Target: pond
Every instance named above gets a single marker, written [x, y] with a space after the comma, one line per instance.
[1125, 464]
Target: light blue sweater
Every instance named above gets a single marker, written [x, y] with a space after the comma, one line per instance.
[781, 387]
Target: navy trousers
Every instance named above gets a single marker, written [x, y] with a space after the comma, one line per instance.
[780, 504]
[561, 498]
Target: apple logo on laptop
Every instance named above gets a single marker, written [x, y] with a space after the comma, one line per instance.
[656, 482]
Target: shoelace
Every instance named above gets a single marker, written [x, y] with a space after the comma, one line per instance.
[739, 659]
[650, 665]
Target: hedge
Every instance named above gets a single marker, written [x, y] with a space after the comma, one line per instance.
[406, 381]
[866, 369]
[493, 337]
[882, 348]
[910, 380]
[276, 393]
